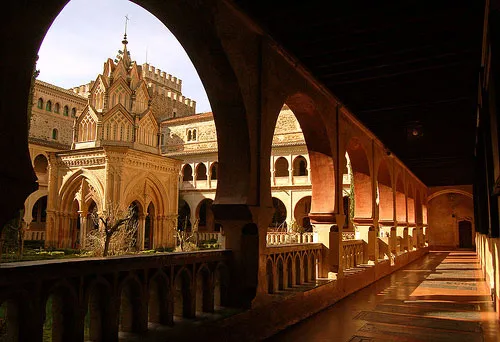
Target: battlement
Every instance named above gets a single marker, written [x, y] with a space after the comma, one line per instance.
[181, 99]
[83, 90]
[149, 71]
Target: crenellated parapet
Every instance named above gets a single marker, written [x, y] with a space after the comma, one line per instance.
[83, 90]
[161, 77]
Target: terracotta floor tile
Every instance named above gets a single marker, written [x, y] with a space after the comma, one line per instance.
[440, 297]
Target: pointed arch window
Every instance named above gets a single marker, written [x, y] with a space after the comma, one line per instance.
[66, 111]
[55, 134]
[48, 106]
[73, 112]
[40, 103]
[56, 108]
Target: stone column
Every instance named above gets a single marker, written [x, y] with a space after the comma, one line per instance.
[244, 228]
[50, 229]
[83, 227]
[407, 238]
[393, 241]
[401, 234]
[140, 232]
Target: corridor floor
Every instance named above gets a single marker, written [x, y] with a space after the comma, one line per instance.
[440, 297]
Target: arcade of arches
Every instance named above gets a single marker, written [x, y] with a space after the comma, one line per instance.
[250, 80]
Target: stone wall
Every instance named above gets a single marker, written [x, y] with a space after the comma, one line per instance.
[44, 121]
[445, 211]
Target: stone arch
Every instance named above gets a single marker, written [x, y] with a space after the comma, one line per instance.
[97, 319]
[40, 103]
[298, 270]
[183, 297]
[385, 192]
[449, 191]
[187, 173]
[160, 304]
[38, 214]
[204, 295]
[400, 199]
[201, 171]
[154, 189]
[184, 214]
[280, 273]
[281, 167]
[289, 272]
[131, 314]
[361, 178]
[305, 266]
[64, 200]
[221, 286]
[300, 166]
[41, 164]
[10, 320]
[320, 153]
[205, 215]
[214, 167]
[312, 266]
[301, 213]
[60, 313]
[270, 276]
[280, 214]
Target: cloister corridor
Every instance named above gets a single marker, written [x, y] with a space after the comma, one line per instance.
[439, 297]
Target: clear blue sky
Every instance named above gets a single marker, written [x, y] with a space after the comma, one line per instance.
[87, 32]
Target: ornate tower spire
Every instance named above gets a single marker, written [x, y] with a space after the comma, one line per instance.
[125, 54]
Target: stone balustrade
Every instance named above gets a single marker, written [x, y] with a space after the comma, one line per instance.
[353, 253]
[36, 235]
[284, 238]
[292, 265]
[96, 298]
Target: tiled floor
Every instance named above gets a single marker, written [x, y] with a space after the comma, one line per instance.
[441, 297]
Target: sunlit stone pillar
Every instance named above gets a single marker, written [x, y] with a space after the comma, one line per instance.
[82, 216]
[393, 241]
[400, 234]
[141, 227]
[406, 239]
[414, 234]
[369, 234]
[328, 231]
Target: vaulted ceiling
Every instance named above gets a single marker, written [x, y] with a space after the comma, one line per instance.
[407, 69]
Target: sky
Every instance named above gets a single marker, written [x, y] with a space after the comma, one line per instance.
[88, 32]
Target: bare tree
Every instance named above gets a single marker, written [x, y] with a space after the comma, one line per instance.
[116, 233]
[186, 241]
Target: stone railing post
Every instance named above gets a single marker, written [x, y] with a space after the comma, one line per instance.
[328, 229]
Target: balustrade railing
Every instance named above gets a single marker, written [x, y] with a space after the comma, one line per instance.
[36, 235]
[283, 238]
[147, 284]
[292, 265]
[353, 253]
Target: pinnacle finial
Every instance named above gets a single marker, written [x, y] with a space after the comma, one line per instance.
[125, 33]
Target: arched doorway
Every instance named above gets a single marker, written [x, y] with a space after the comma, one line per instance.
[187, 173]
[465, 234]
[205, 215]
[39, 213]
[301, 213]
[279, 216]
[184, 212]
